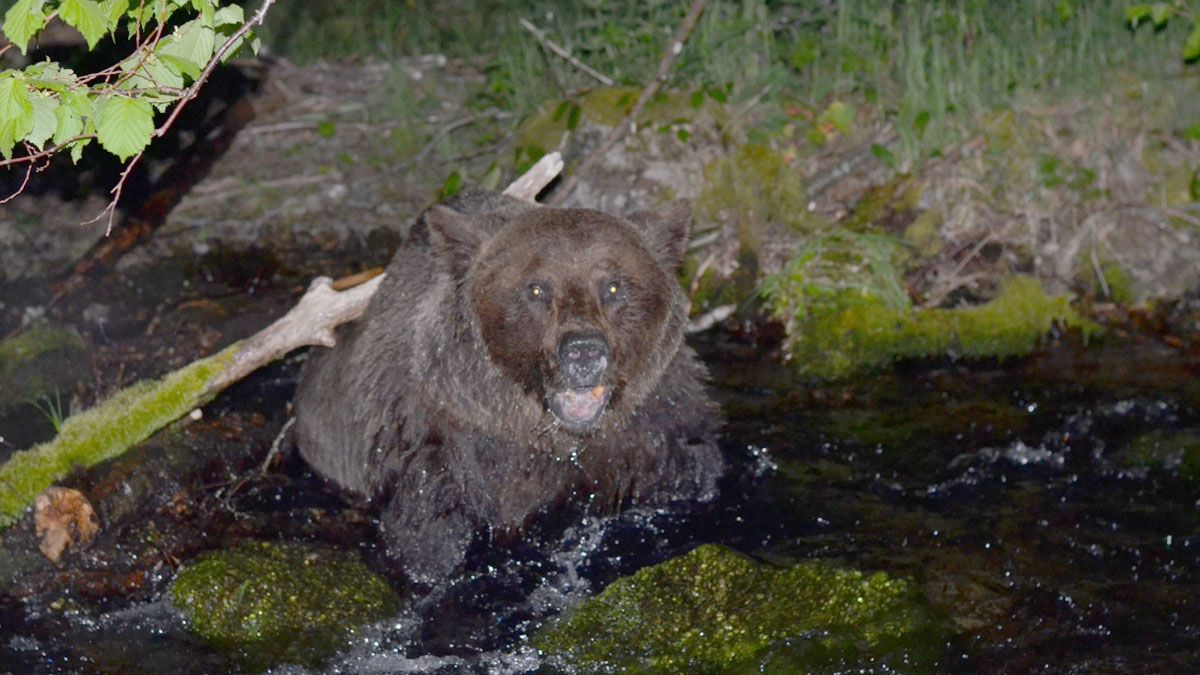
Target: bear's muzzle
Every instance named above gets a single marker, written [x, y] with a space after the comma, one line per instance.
[583, 361]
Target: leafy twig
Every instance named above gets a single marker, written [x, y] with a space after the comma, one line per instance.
[234, 39]
[618, 132]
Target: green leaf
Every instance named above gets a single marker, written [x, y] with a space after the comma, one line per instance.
[180, 66]
[921, 123]
[193, 41]
[114, 10]
[79, 102]
[205, 9]
[1065, 9]
[453, 184]
[1192, 132]
[1159, 13]
[1135, 14]
[77, 149]
[44, 122]
[1191, 46]
[840, 115]
[68, 124]
[124, 125]
[885, 155]
[49, 75]
[87, 17]
[229, 14]
[16, 113]
[23, 20]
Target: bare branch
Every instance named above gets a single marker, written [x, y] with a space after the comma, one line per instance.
[310, 322]
[533, 181]
[30, 158]
[618, 132]
[562, 51]
[24, 182]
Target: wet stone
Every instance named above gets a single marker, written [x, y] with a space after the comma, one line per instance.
[268, 603]
[717, 610]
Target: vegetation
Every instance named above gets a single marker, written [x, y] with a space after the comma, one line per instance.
[105, 431]
[924, 66]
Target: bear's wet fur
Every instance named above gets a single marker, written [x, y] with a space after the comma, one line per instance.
[516, 359]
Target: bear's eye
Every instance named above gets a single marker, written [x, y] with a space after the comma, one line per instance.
[538, 293]
[610, 292]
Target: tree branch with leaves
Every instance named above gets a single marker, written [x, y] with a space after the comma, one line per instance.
[46, 109]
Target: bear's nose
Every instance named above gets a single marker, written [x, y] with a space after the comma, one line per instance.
[584, 358]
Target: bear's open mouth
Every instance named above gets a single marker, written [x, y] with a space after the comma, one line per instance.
[578, 409]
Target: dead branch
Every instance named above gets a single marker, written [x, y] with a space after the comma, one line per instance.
[618, 132]
[310, 322]
[533, 181]
[566, 55]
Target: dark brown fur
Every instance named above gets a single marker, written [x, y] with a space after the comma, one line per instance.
[435, 404]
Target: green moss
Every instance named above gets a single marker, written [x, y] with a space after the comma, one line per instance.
[924, 234]
[268, 603]
[904, 427]
[755, 189]
[40, 361]
[1118, 282]
[1161, 449]
[871, 207]
[714, 610]
[845, 310]
[604, 106]
[105, 431]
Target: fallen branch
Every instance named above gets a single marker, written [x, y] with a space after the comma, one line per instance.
[533, 181]
[618, 132]
[562, 51]
[134, 414]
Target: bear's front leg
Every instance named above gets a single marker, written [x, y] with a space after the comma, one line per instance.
[427, 530]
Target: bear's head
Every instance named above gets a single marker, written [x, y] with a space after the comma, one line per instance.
[578, 308]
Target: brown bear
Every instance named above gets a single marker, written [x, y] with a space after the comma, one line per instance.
[516, 358]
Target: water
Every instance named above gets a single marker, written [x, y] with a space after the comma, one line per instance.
[1042, 503]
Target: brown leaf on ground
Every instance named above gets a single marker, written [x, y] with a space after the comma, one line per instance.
[63, 517]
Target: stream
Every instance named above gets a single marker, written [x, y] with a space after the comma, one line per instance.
[1040, 502]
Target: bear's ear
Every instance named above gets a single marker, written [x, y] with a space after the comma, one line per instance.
[666, 233]
[454, 236]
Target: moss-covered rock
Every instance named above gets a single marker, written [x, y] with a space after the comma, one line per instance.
[42, 360]
[843, 303]
[716, 610]
[267, 603]
[1165, 450]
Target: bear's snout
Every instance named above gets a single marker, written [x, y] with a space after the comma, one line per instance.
[583, 358]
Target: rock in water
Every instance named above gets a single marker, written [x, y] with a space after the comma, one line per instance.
[715, 610]
[268, 603]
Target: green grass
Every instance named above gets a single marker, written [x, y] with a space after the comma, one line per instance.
[916, 64]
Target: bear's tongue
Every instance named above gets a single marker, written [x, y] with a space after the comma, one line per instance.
[580, 406]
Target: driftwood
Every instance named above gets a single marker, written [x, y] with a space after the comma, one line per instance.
[134, 414]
